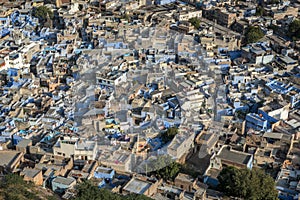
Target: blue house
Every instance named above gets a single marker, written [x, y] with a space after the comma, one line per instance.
[61, 184]
[105, 173]
[267, 114]
[164, 2]
[256, 122]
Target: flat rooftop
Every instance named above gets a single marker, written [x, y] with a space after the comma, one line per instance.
[104, 170]
[64, 181]
[24, 143]
[137, 186]
[230, 155]
[184, 177]
[7, 157]
[30, 172]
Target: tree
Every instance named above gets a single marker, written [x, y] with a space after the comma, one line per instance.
[163, 166]
[260, 11]
[42, 12]
[271, 2]
[240, 114]
[253, 34]
[247, 184]
[26, 191]
[294, 29]
[88, 191]
[169, 134]
[169, 172]
[195, 21]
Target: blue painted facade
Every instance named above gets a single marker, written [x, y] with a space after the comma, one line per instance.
[105, 173]
[60, 184]
[163, 2]
[265, 115]
[256, 122]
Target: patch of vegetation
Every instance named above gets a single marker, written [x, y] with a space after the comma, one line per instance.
[88, 191]
[195, 21]
[169, 172]
[294, 29]
[42, 12]
[163, 167]
[13, 187]
[253, 34]
[273, 27]
[189, 170]
[247, 184]
[166, 168]
[169, 134]
[271, 2]
[240, 114]
[260, 11]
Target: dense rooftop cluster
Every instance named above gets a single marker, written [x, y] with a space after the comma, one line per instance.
[121, 93]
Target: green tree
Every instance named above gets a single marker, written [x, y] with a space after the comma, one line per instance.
[273, 2]
[42, 12]
[169, 172]
[260, 11]
[88, 191]
[240, 114]
[294, 29]
[12, 183]
[169, 134]
[253, 34]
[162, 167]
[247, 184]
[195, 21]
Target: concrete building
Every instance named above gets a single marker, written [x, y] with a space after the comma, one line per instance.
[76, 148]
[185, 182]
[140, 185]
[181, 144]
[104, 172]
[10, 160]
[110, 79]
[258, 53]
[286, 11]
[61, 184]
[274, 111]
[230, 157]
[33, 175]
[23, 145]
[186, 15]
[256, 122]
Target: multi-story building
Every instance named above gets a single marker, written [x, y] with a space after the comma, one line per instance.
[256, 122]
[33, 175]
[77, 148]
[230, 157]
[286, 11]
[258, 53]
[186, 15]
[104, 172]
[181, 144]
[222, 16]
[110, 79]
[274, 111]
